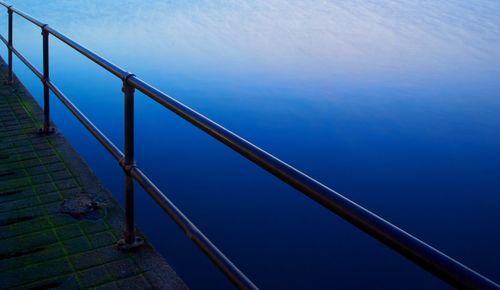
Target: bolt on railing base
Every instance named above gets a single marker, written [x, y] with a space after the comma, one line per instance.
[47, 131]
[125, 246]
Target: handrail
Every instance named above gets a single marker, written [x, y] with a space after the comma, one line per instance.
[216, 256]
[427, 257]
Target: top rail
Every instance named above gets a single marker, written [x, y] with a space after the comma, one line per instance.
[424, 255]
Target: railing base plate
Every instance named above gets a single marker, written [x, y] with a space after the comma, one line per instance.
[122, 245]
[46, 131]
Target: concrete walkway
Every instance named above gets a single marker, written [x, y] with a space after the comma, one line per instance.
[58, 224]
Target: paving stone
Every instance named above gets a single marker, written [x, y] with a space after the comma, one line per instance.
[50, 198]
[122, 269]
[19, 204]
[29, 155]
[24, 149]
[66, 184]
[49, 159]
[61, 175]
[90, 227]
[45, 188]
[61, 282]
[69, 232]
[136, 282]
[55, 167]
[102, 239]
[43, 270]
[108, 286]
[94, 276]
[111, 253]
[77, 245]
[41, 179]
[45, 153]
[37, 170]
[25, 228]
[83, 261]
[31, 163]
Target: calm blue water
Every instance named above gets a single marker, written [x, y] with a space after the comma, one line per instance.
[393, 104]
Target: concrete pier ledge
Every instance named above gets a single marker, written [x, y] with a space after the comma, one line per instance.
[58, 223]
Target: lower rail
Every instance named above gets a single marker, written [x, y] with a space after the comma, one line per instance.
[193, 233]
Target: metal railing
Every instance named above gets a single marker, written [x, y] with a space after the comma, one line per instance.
[427, 257]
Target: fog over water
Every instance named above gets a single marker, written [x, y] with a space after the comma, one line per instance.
[395, 104]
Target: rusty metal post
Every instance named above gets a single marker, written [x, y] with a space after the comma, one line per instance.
[130, 239]
[10, 45]
[47, 129]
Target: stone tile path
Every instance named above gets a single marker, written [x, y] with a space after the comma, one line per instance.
[58, 224]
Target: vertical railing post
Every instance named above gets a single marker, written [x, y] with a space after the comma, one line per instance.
[47, 129]
[10, 46]
[130, 240]
[129, 161]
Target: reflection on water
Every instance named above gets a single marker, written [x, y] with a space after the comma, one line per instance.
[394, 104]
[300, 39]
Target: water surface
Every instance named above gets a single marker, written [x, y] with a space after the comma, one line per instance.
[393, 104]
